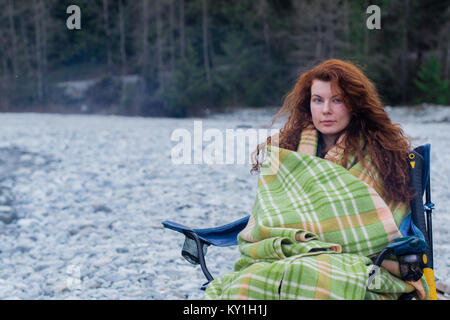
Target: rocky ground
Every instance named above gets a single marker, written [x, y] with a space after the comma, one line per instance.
[82, 199]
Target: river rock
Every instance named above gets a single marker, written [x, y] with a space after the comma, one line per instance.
[6, 196]
[7, 214]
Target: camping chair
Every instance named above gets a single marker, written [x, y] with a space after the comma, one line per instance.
[414, 250]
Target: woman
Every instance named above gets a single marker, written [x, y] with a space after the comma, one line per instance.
[331, 196]
[336, 98]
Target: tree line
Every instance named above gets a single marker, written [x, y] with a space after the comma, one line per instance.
[188, 56]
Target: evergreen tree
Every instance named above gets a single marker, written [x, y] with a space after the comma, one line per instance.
[432, 87]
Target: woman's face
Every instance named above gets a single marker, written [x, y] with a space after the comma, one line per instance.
[329, 114]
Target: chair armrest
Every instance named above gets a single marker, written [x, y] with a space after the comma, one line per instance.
[221, 236]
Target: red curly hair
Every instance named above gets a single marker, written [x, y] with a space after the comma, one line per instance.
[385, 142]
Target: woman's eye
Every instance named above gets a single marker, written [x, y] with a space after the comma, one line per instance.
[337, 100]
[316, 100]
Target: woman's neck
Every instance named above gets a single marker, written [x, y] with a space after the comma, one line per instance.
[329, 140]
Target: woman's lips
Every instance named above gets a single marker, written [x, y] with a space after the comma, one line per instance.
[328, 122]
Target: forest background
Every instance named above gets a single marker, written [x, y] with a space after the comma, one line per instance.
[182, 58]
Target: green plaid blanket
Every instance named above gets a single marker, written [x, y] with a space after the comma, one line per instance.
[313, 228]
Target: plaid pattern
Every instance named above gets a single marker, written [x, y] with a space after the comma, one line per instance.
[313, 227]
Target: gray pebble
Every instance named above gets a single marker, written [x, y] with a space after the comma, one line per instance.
[7, 214]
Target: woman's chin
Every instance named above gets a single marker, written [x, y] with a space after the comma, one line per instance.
[329, 130]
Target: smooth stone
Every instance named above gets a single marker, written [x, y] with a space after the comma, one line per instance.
[7, 214]
[101, 208]
[6, 196]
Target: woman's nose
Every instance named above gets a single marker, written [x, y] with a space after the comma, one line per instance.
[326, 107]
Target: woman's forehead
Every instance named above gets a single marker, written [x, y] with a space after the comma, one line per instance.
[325, 88]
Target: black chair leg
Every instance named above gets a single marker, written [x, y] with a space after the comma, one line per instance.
[201, 256]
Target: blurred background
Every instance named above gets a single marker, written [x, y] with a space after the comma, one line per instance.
[180, 58]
